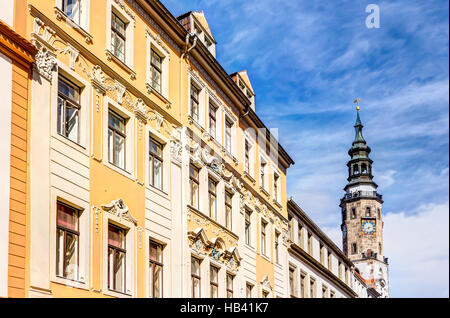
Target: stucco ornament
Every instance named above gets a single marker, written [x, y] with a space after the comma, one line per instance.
[119, 209]
[45, 62]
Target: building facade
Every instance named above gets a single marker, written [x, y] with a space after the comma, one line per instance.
[145, 170]
[16, 57]
[362, 217]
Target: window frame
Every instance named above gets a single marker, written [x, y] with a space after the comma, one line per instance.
[156, 264]
[194, 99]
[277, 247]
[158, 69]
[248, 226]
[194, 180]
[228, 210]
[64, 10]
[116, 32]
[120, 250]
[73, 232]
[263, 241]
[212, 194]
[212, 118]
[230, 292]
[249, 290]
[196, 277]
[213, 284]
[122, 134]
[152, 157]
[229, 124]
[76, 104]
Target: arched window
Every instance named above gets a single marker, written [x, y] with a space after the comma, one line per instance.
[355, 169]
[363, 168]
[368, 212]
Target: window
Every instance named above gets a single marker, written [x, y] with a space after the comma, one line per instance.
[324, 292]
[156, 270]
[194, 185]
[156, 164]
[72, 9]
[353, 213]
[310, 247]
[263, 237]
[292, 284]
[116, 258]
[156, 71]
[312, 288]
[67, 242]
[195, 276]
[355, 169]
[332, 294]
[379, 213]
[380, 249]
[116, 140]
[368, 212]
[354, 248]
[248, 290]
[247, 227]
[290, 229]
[228, 210]
[118, 37]
[276, 179]
[228, 135]
[262, 172]
[194, 103]
[277, 247]
[230, 279]
[68, 110]
[329, 261]
[212, 120]
[322, 254]
[303, 285]
[212, 185]
[247, 157]
[301, 238]
[340, 270]
[346, 275]
[214, 282]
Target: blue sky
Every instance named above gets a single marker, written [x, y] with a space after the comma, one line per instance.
[308, 61]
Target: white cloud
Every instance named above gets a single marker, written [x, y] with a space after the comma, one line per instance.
[418, 249]
[387, 178]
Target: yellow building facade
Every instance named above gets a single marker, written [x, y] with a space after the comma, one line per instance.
[150, 174]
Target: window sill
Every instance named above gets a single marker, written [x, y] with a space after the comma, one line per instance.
[117, 294]
[278, 204]
[123, 172]
[263, 190]
[111, 57]
[157, 191]
[264, 256]
[192, 121]
[81, 284]
[165, 100]
[230, 155]
[250, 247]
[62, 16]
[249, 177]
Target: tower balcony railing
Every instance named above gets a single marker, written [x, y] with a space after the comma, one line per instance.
[363, 194]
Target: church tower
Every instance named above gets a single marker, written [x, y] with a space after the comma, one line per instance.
[362, 217]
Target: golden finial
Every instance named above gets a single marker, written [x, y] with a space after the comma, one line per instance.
[357, 103]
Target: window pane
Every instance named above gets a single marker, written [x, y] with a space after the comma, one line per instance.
[196, 288]
[116, 237]
[157, 174]
[157, 282]
[119, 150]
[59, 252]
[71, 122]
[119, 271]
[156, 79]
[195, 267]
[71, 257]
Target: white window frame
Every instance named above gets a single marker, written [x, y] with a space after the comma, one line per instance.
[128, 171]
[164, 53]
[201, 99]
[211, 98]
[130, 22]
[152, 236]
[233, 121]
[84, 113]
[264, 186]
[266, 253]
[83, 243]
[276, 196]
[251, 156]
[152, 133]
[84, 22]
[129, 258]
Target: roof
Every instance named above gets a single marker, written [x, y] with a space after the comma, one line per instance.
[244, 76]
[201, 19]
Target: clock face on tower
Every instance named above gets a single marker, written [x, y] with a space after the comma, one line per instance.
[368, 227]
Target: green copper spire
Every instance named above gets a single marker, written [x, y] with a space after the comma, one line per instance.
[358, 129]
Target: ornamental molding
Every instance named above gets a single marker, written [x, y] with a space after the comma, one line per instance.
[45, 61]
[196, 76]
[176, 147]
[265, 283]
[120, 210]
[158, 40]
[215, 248]
[124, 7]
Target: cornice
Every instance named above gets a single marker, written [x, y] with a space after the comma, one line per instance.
[15, 46]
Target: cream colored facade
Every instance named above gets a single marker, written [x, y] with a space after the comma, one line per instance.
[146, 159]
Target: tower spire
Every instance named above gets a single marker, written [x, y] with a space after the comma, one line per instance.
[358, 126]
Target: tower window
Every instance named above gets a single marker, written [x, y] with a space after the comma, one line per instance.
[354, 249]
[368, 212]
[364, 168]
[379, 213]
[355, 169]
[353, 213]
